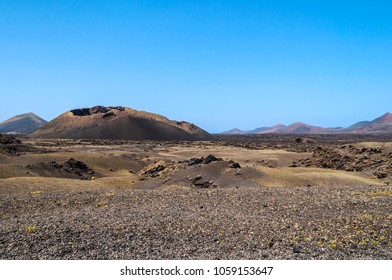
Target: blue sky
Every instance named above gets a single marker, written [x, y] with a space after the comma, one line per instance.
[219, 64]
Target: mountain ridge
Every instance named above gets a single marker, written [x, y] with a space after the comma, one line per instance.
[382, 124]
[22, 124]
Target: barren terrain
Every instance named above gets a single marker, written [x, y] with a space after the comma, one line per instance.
[235, 197]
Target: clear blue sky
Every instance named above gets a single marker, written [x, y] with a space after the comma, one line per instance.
[219, 64]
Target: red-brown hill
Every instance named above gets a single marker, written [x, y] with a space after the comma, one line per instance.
[296, 128]
[118, 123]
[382, 124]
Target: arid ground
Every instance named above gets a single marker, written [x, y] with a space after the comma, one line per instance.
[234, 197]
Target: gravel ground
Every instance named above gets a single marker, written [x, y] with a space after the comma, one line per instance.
[178, 223]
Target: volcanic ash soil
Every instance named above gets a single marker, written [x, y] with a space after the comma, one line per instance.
[245, 223]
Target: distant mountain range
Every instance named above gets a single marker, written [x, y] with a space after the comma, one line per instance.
[22, 124]
[125, 123]
[380, 125]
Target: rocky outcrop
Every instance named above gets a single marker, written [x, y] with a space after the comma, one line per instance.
[71, 169]
[8, 139]
[350, 158]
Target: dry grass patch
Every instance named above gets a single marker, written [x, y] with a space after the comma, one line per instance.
[44, 184]
[380, 193]
[101, 204]
[30, 229]
[36, 193]
[296, 177]
[374, 145]
[174, 188]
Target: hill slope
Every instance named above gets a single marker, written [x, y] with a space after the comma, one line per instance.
[118, 123]
[382, 124]
[23, 124]
[236, 131]
[357, 125]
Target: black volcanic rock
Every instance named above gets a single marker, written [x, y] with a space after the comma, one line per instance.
[8, 139]
[96, 110]
[203, 160]
[71, 169]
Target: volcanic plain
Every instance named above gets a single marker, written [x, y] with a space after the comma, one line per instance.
[231, 197]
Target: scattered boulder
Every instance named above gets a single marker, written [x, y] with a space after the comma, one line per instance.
[197, 179]
[158, 169]
[265, 163]
[380, 174]
[194, 161]
[304, 140]
[296, 250]
[202, 184]
[271, 243]
[154, 170]
[205, 185]
[235, 165]
[77, 165]
[209, 159]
